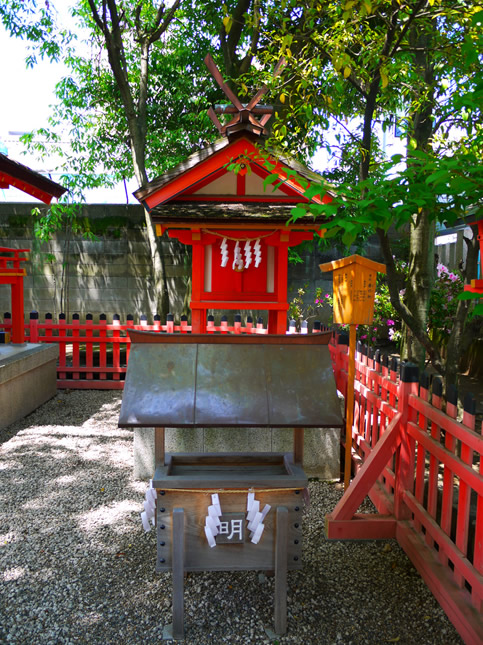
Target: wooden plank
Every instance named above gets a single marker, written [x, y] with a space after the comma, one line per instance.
[178, 573]
[446, 547]
[199, 556]
[298, 446]
[459, 431]
[454, 464]
[454, 601]
[464, 496]
[202, 339]
[280, 595]
[69, 384]
[230, 480]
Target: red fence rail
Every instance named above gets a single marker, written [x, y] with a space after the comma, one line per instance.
[423, 471]
[95, 355]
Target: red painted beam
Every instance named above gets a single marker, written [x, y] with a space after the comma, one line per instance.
[370, 471]
[455, 602]
[361, 527]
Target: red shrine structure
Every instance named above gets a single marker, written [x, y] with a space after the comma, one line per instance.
[236, 224]
[12, 273]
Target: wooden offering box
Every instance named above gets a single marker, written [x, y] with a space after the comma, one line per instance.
[229, 511]
[273, 478]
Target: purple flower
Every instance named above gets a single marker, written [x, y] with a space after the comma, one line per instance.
[390, 323]
[327, 295]
[373, 339]
[317, 301]
[363, 337]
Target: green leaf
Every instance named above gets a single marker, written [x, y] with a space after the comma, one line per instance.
[439, 176]
[332, 232]
[298, 212]
[270, 180]
[469, 295]
[477, 311]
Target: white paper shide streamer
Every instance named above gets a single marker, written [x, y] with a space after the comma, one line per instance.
[237, 258]
[248, 253]
[255, 517]
[253, 254]
[147, 516]
[257, 247]
[212, 520]
[224, 252]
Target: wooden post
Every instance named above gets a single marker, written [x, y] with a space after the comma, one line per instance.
[159, 447]
[298, 446]
[178, 574]
[280, 597]
[350, 406]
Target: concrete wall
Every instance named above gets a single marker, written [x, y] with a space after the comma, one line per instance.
[110, 274]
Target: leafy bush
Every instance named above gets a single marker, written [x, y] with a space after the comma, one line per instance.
[386, 326]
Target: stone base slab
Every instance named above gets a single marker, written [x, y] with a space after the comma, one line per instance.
[28, 378]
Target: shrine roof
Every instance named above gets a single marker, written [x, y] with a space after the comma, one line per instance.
[13, 173]
[235, 149]
[232, 212]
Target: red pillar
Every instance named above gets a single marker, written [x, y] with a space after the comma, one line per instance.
[17, 311]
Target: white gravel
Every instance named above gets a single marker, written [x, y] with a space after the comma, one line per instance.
[77, 567]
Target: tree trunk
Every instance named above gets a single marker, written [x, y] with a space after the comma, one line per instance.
[459, 341]
[422, 232]
[419, 285]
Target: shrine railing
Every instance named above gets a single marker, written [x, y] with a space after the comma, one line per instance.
[422, 468]
[95, 355]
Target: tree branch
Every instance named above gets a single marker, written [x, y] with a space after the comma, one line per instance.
[402, 310]
[157, 33]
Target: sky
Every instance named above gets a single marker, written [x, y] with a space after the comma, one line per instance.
[25, 97]
[25, 93]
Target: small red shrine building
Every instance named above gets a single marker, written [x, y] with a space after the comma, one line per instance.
[236, 224]
[12, 273]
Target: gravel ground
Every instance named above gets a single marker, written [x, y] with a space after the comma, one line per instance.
[77, 567]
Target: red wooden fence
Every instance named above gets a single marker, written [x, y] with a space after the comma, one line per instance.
[95, 355]
[423, 471]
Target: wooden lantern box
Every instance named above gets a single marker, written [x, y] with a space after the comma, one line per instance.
[233, 381]
[354, 281]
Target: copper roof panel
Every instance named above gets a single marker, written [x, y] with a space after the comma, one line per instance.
[247, 384]
[301, 388]
[230, 386]
[160, 386]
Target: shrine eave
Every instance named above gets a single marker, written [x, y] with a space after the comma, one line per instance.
[29, 181]
[206, 214]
